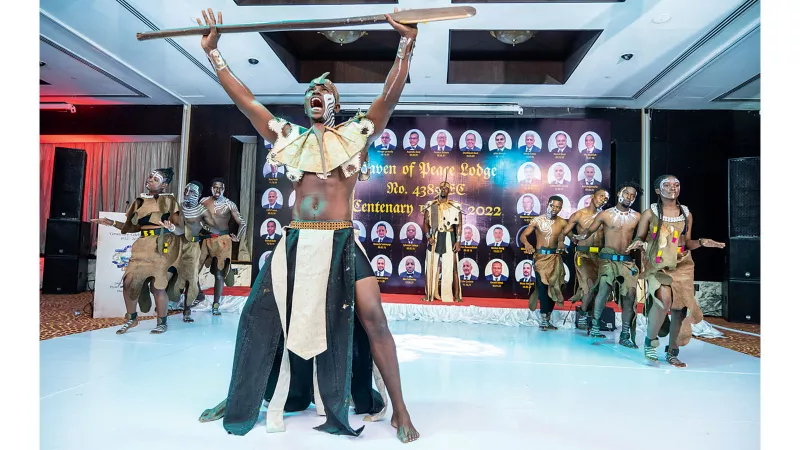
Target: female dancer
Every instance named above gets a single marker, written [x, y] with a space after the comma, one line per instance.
[665, 235]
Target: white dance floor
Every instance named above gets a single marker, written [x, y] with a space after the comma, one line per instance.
[467, 386]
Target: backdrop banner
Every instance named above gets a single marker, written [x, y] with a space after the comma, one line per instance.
[113, 254]
[502, 171]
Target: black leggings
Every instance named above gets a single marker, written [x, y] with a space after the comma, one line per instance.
[546, 304]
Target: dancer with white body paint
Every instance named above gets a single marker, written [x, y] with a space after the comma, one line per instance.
[617, 267]
[547, 262]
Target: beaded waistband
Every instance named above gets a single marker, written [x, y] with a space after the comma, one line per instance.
[153, 232]
[615, 257]
[320, 225]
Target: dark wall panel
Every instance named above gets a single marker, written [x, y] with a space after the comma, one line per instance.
[695, 146]
[212, 150]
[114, 119]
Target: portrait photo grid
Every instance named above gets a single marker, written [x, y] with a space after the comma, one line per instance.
[502, 172]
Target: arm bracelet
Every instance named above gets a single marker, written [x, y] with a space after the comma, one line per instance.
[406, 47]
[216, 60]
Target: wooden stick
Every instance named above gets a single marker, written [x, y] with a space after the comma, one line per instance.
[410, 17]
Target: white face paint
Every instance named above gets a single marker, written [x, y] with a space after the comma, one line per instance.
[191, 195]
[155, 175]
[621, 199]
[330, 102]
[663, 186]
[218, 191]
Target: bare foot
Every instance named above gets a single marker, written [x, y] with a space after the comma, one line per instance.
[405, 429]
[215, 413]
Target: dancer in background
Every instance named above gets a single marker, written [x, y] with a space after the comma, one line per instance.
[547, 263]
[617, 267]
[310, 319]
[192, 224]
[441, 224]
[586, 250]
[665, 236]
[218, 247]
[153, 254]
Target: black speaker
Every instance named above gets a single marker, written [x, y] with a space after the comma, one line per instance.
[741, 292]
[67, 238]
[744, 259]
[744, 191]
[69, 170]
[64, 274]
[741, 301]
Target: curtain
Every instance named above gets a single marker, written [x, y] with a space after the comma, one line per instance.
[46, 158]
[115, 176]
[246, 201]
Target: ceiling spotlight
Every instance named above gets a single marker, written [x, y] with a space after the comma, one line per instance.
[252, 61]
[627, 56]
[512, 37]
[662, 18]
[42, 63]
[342, 37]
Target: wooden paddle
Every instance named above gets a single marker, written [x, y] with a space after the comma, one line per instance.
[408, 17]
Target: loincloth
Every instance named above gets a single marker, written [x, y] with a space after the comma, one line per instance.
[442, 246]
[587, 264]
[681, 281]
[150, 264]
[221, 248]
[188, 271]
[551, 272]
[617, 273]
[308, 284]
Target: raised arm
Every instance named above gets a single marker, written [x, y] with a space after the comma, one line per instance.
[176, 220]
[641, 231]
[596, 224]
[237, 217]
[124, 227]
[573, 221]
[382, 108]
[693, 244]
[524, 236]
[244, 99]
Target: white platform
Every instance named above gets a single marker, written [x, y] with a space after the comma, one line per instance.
[438, 312]
[467, 387]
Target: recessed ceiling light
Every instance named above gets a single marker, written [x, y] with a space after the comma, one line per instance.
[662, 18]
[42, 63]
[342, 37]
[513, 37]
[252, 61]
[627, 56]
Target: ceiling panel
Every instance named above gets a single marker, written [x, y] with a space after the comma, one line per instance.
[750, 90]
[729, 81]
[68, 74]
[669, 40]
[310, 2]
